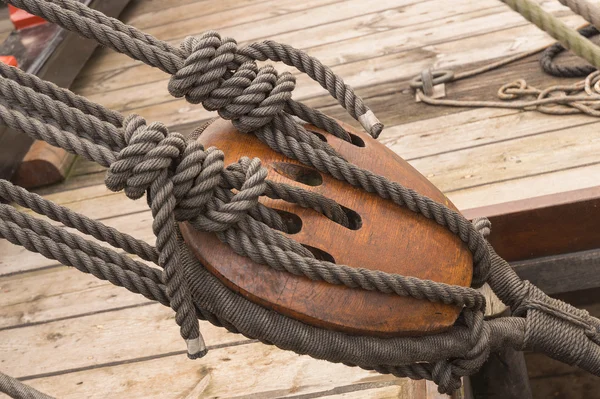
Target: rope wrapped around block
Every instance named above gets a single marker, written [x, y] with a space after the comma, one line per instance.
[185, 182]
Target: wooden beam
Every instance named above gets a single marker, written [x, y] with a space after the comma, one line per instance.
[543, 226]
[552, 240]
[562, 273]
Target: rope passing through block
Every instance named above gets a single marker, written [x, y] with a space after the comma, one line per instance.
[185, 182]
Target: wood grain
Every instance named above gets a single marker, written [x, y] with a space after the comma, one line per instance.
[377, 33]
[251, 370]
[391, 239]
[57, 293]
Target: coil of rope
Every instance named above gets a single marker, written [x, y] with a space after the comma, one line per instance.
[185, 182]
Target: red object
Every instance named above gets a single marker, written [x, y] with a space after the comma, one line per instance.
[21, 19]
[8, 59]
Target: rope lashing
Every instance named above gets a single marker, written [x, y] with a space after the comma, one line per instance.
[150, 151]
[185, 182]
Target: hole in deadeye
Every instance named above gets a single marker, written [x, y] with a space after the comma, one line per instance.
[299, 173]
[292, 221]
[319, 253]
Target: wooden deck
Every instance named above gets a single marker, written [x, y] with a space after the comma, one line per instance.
[73, 336]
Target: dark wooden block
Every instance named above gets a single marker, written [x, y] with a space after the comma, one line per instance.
[390, 238]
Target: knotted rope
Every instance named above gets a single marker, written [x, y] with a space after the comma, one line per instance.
[582, 97]
[185, 182]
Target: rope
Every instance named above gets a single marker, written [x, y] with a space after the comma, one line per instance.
[589, 10]
[554, 27]
[185, 182]
[565, 71]
[579, 98]
[17, 390]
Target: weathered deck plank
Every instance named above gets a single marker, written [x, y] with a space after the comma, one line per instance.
[58, 293]
[223, 373]
[153, 101]
[101, 338]
[338, 41]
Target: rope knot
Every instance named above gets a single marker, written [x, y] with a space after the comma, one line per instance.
[221, 79]
[227, 209]
[447, 373]
[150, 151]
[196, 175]
[209, 60]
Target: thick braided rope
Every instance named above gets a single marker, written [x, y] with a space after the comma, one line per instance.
[17, 390]
[568, 37]
[65, 116]
[65, 96]
[52, 135]
[72, 256]
[64, 215]
[59, 235]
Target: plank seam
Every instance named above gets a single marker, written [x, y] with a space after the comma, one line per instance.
[75, 316]
[130, 361]
[344, 389]
[433, 43]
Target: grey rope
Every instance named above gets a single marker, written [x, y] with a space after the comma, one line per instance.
[88, 226]
[185, 182]
[17, 390]
[210, 56]
[552, 68]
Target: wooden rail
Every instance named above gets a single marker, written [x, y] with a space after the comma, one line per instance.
[552, 240]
